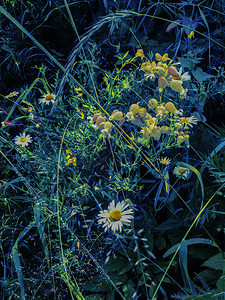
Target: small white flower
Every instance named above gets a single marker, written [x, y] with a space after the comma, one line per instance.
[185, 76]
[13, 94]
[23, 139]
[31, 116]
[149, 76]
[47, 98]
[189, 121]
[115, 216]
[183, 94]
[181, 172]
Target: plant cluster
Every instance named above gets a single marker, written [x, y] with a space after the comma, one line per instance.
[112, 178]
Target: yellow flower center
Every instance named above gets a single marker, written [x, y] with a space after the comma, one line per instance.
[184, 120]
[23, 139]
[181, 170]
[49, 97]
[115, 215]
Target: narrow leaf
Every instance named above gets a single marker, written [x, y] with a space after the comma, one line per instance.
[16, 259]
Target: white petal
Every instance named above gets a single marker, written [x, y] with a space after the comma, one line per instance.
[111, 205]
[120, 226]
[125, 206]
[129, 211]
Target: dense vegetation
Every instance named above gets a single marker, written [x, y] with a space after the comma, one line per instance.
[112, 149]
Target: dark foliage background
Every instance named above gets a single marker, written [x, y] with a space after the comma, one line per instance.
[90, 39]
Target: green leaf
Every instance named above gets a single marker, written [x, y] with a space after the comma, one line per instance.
[129, 290]
[167, 180]
[95, 297]
[98, 283]
[201, 76]
[197, 173]
[207, 26]
[188, 63]
[37, 216]
[193, 241]
[169, 224]
[217, 149]
[221, 284]
[119, 265]
[215, 262]
[183, 265]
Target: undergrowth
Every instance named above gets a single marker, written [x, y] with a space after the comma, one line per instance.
[112, 175]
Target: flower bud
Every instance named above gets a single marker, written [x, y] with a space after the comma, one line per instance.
[160, 110]
[173, 71]
[162, 82]
[158, 57]
[99, 120]
[116, 115]
[160, 71]
[180, 140]
[115, 110]
[152, 103]
[134, 108]
[156, 133]
[181, 133]
[170, 107]
[96, 116]
[145, 133]
[177, 126]
[146, 66]
[108, 126]
[142, 112]
[165, 129]
[176, 86]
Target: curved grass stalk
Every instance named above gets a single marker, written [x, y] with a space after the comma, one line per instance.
[73, 287]
[196, 5]
[20, 98]
[175, 22]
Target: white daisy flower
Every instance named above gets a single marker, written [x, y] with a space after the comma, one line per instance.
[189, 121]
[23, 139]
[181, 172]
[47, 98]
[115, 216]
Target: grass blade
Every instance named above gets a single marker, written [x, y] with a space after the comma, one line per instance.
[16, 259]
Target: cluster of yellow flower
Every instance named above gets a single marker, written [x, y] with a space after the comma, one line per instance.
[167, 74]
[70, 160]
[165, 118]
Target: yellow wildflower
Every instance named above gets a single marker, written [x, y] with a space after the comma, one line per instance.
[165, 57]
[77, 89]
[165, 160]
[140, 54]
[72, 160]
[191, 34]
